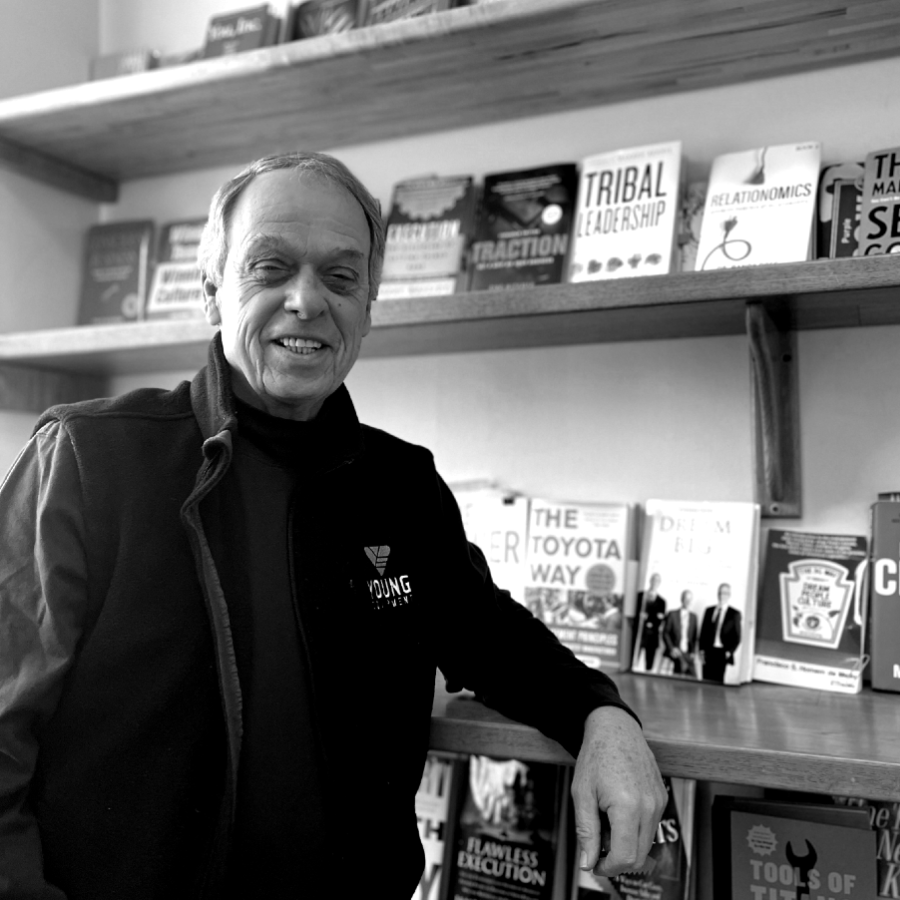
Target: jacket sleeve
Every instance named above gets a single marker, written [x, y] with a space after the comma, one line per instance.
[494, 646]
[42, 599]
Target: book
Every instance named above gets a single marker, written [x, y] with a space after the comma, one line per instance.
[884, 637]
[379, 11]
[176, 290]
[811, 611]
[522, 227]
[884, 820]
[581, 567]
[626, 216]
[429, 227]
[763, 849]
[115, 272]
[312, 18]
[432, 805]
[839, 205]
[690, 219]
[697, 598]
[759, 206]
[129, 62]
[244, 29]
[880, 203]
[506, 825]
[671, 876]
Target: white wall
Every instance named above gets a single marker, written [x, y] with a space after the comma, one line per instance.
[619, 421]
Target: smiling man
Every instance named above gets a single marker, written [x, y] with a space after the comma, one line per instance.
[222, 607]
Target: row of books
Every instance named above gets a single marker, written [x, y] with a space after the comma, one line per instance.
[699, 590]
[505, 829]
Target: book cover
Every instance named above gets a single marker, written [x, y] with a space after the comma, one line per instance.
[627, 212]
[176, 291]
[759, 206]
[506, 830]
[429, 227]
[811, 611]
[880, 203]
[245, 29]
[580, 577]
[697, 599]
[432, 813]
[883, 817]
[380, 11]
[312, 18]
[839, 204]
[522, 227]
[690, 219]
[884, 637]
[671, 876]
[129, 62]
[115, 272]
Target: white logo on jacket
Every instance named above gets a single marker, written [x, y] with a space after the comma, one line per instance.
[386, 592]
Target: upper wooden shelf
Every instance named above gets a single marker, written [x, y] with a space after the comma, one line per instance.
[820, 294]
[467, 66]
[756, 734]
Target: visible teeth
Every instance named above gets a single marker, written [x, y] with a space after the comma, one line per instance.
[300, 345]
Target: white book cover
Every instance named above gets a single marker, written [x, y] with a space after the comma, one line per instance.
[627, 213]
[760, 206]
[580, 577]
[432, 812]
[697, 597]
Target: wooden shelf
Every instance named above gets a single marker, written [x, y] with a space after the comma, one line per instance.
[463, 67]
[821, 294]
[756, 734]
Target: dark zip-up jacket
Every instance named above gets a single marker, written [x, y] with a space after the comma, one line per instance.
[120, 698]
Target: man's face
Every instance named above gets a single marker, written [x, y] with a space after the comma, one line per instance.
[293, 305]
[724, 594]
[686, 599]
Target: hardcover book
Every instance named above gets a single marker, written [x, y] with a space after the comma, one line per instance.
[880, 202]
[432, 813]
[429, 227]
[884, 638]
[523, 226]
[696, 606]
[176, 291]
[245, 29]
[115, 270]
[626, 217]
[840, 200]
[811, 611]
[759, 206]
[580, 577]
[670, 877]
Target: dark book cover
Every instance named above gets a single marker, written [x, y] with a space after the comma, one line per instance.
[176, 291]
[245, 29]
[884, 640]
[523, 227]
[115, 271]
[376, 12]
[879, 230]
[840, 198]
[316, 17]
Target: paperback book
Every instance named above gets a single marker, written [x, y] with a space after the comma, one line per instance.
[432, 814]
[884, 639]
[429, 227]
[697, 603]
[176, 291]
[627, 213]
[759, 206]
[246, 29]
[840, 200]
[311, 18]
[880, 215]
[580, 577]
[115, 272]
[884, 820]
[522, 228]
[812, 611]
[379, 11]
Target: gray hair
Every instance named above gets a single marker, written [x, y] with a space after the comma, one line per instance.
[213, 249]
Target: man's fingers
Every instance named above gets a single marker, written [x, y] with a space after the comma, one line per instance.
[588, 830]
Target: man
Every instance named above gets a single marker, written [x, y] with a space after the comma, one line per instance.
[222, 607]
[680, 636]
[720, 636]
[653, 613]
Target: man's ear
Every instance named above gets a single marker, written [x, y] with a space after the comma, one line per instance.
[210, 306]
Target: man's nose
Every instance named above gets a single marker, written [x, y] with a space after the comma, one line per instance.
[305, 295]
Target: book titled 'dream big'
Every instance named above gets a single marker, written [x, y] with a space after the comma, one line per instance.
[627, 213]
[759, 206]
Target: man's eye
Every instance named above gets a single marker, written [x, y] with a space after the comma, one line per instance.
[269, 270]
[342, 278]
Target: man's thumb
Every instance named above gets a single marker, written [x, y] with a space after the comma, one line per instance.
[589, 826]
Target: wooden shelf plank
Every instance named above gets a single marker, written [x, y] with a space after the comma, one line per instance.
[756, 734]
[463, 67]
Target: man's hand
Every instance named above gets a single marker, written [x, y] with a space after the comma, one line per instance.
[616, 772]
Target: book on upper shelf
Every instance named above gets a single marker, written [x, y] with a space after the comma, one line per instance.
[810, 619]
[115, 272]
[312, 18]
[671, 876]
[696, 606]
[760, 205]
[880, 203]
[580, 579]
[176, 291]
[884, 615]
[429, 227]
[764, 848]
[129, 62]
[522, 227]
[243, 29]
[506, 827]
[377, 12]
[626, 216]
[432, 805]
[690, 220]
[837, 222]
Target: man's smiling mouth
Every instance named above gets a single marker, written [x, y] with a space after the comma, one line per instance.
[301, 346]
